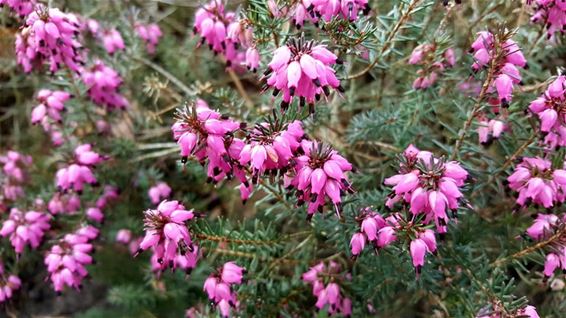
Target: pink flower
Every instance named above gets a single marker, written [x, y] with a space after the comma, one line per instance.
[66, 261]
[124, 236]
[491, 129]
[150, 34]
[542, 226]
[505, 56]
[319, 176]
[8, 284]
[429, 185]
[431, 64]
[271, 146]
[64, 203]
[219, 287]
[209, 137]
[330, 294]
[418, 250]
[159, 192]
[21, 7]
[76, 175]
[49, 36]
[537, 182]
[549, 108]
[303, 69]
[112, 41]
[103, 85]
[14, 166]
[327, 10]
[25, 228]
[52, 103]
[167, 234]
[225, 34]
[357, 243]
[551, 14]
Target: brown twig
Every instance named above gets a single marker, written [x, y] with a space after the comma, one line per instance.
[531, 248]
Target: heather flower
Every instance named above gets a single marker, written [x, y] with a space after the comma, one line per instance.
[499, 52]
[66, 261]
[208, 136]
[222, 32]
[219, 287]
[550, 108]
[271, 146]
[428, 185]
[150, 34]
[490, 129]
[21, 7]
[327, 10]
[252, 59]
[76, 175]
[319, 176]
[537, 182]
[103, 85]
[112, 41]
[551, 14]
[64, 203]
[167, 234]
[124, 236]
[159, 192]
[327, 290]
[51, 104]
[8, 284]
[544, 227]
[13, 174]
[25, 228]
[432, 63]
[302, 69]
[49, 36]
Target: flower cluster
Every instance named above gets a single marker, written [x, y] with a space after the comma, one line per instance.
[271, 145]
[225, 34]
[428, 184]
[103, 85]
[8, 284]
[551, 14]
[96, 212]
[76, 175]
[159, 192]
[544, 226]
[489, 129]
[64, 203]
[319, 174]
[315, 170]
[48, 112]
[168, 236]
[502, 55]
[327, 10]
[219, 287]
[112, 41]
[538, 183]
[208, 136]
[323, 279]
[25, 228]
[304, 69]
[14, 165]
[550, 108]
[67, 259]
[49, 36]
[433, 63]
[21, 7]
[150, 34]
[375, 229]
[382, 232]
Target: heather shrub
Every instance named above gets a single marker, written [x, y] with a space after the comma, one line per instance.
[270, 158]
